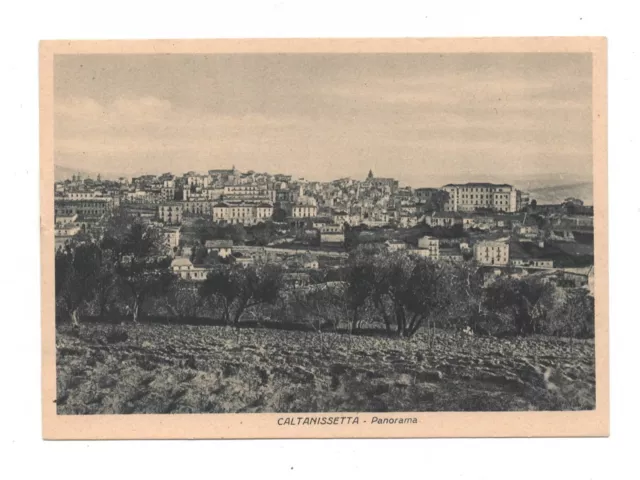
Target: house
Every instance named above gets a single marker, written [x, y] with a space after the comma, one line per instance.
[183, 267]
[303, 261]
[577, 278]
[170, 213]
[339, 216]
[451, 254]
[428, 247]
[527, 230]
[66, 219]
[531, 262]
[443, 219]
[171, 237]
[395, 245]
[491, 253]
[221, 247]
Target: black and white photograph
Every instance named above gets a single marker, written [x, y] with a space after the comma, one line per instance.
[325, 233]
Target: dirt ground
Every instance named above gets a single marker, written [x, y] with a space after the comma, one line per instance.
[104, 369]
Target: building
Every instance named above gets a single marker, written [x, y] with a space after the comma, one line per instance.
[198, 181]
[242, 213]
[93, 207]
[429, 247]
[339, 216]
[221, 247]
[469, 197]
[66, 219]
[197, 207]
[491, 253]
[451, 255]
[81, 195]
[170, 213]
[168, 193]
[443, 219]
[304, 211]
[187, 271]
[395, 245]
[171, 237]
[531, 262]
[522, 200]
[381, 182]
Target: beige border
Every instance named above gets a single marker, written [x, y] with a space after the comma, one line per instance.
[511, 424]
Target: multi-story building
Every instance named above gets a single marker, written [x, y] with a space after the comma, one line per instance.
[198, 180]
[94, 207]
[171, 237]
[429, 247]
[168, 193]
[81, 195]
[331, 233]
[491, 253]
[242, 213]
[468, 197]
[522, 200]
[197, 207]
[303, 210]
[264, 212]
[170, 213]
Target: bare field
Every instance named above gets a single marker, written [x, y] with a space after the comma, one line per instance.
[149, 368]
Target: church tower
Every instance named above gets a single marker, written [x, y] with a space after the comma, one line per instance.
[370, 176]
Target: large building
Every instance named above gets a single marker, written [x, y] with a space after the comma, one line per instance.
[469, 197]
[94, 207]
[491, 253]
[242, 213]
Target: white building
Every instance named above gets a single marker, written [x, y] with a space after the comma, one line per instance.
[468, 197]
[491, 253]
[429, 247]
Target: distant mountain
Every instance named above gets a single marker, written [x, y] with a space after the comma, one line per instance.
[558, 193]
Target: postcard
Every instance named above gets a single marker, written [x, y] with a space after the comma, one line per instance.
[324, 238]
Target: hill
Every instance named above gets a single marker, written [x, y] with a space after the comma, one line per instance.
[558, 193]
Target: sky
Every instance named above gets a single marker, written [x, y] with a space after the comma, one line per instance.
[423, 118]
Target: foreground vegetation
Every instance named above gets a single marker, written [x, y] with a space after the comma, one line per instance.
[381, 332]
[151, 368]
[126, 274]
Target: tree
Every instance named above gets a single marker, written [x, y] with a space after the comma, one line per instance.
[239, 288]
[526, 302]
[263, 233]
[141, 266]
[183, 300]
[279, 214]
[405, 289]
[76, 277]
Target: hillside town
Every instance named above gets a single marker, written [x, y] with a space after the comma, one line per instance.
[225, 215]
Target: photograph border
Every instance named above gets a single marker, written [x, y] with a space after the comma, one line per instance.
[592, 423]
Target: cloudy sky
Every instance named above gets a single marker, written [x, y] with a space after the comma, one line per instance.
[422, 118]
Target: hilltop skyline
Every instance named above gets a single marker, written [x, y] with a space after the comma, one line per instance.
[414, 117]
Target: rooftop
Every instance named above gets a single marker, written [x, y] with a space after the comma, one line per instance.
[218, 244]
[478, 184]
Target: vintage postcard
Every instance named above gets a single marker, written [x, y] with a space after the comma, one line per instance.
[314, 238]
